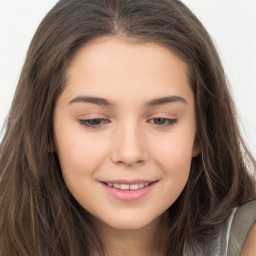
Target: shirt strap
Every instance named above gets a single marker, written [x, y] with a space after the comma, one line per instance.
[244, 218]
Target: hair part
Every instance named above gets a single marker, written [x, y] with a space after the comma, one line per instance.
[38, 215]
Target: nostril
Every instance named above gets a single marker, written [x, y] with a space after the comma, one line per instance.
[131, 163]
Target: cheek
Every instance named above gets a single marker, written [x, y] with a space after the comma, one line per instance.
[78, 154]
[173, 156]
[174, 151]
[80, 159]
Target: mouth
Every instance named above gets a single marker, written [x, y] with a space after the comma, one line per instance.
[129, 190]
[125, 186]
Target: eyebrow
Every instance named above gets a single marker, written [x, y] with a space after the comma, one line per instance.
[165, 100]
[92, 100]
[104, 102]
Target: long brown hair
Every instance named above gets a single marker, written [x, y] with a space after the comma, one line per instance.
[38, 215]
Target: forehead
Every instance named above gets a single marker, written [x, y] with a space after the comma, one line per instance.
[121, 52]
[112, 67]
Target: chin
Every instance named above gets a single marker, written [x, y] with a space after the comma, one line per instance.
[135, 222]
[128, 225]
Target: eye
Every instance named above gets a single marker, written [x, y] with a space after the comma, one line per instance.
[163, 122]
[93, 123]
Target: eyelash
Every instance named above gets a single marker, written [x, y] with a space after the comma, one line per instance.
[86, 122]
[170, 122]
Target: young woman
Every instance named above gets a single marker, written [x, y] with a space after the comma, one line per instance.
[122, 139]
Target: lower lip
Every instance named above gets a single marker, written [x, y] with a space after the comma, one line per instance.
[129, 195]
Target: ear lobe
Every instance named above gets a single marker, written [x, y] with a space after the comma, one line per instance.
[197, 149]
[51, 146]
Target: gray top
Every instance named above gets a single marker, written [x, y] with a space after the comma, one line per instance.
[230, 240]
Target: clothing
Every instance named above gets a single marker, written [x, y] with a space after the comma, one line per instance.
[231, 237]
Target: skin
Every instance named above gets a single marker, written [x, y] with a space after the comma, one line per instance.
[129, 144]
[249, 246]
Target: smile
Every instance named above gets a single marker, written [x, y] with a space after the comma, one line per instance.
[128, 186]
[129, 191]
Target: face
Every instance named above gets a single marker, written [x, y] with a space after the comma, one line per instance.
[124, 129]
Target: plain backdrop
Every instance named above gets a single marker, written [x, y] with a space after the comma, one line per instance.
[231, 23]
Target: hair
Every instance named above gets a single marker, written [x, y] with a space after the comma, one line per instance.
[38, 215]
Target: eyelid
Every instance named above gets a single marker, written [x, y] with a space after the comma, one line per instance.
[84, 122]
[171, 122]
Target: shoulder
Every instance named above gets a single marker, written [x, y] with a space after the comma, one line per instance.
[243, 231]
[249, 246]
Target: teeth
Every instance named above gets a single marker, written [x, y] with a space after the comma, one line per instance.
[141, 185]
[116, 185]
[134, 186]
[124, 186]
[127, 186]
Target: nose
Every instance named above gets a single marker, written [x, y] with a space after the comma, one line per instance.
[128, 146]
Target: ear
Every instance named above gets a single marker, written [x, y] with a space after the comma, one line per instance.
[197, 149]
[51, 148]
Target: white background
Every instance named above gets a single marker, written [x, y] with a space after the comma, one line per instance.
[232, 24]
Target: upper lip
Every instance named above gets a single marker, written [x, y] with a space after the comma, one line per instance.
[138, 181]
